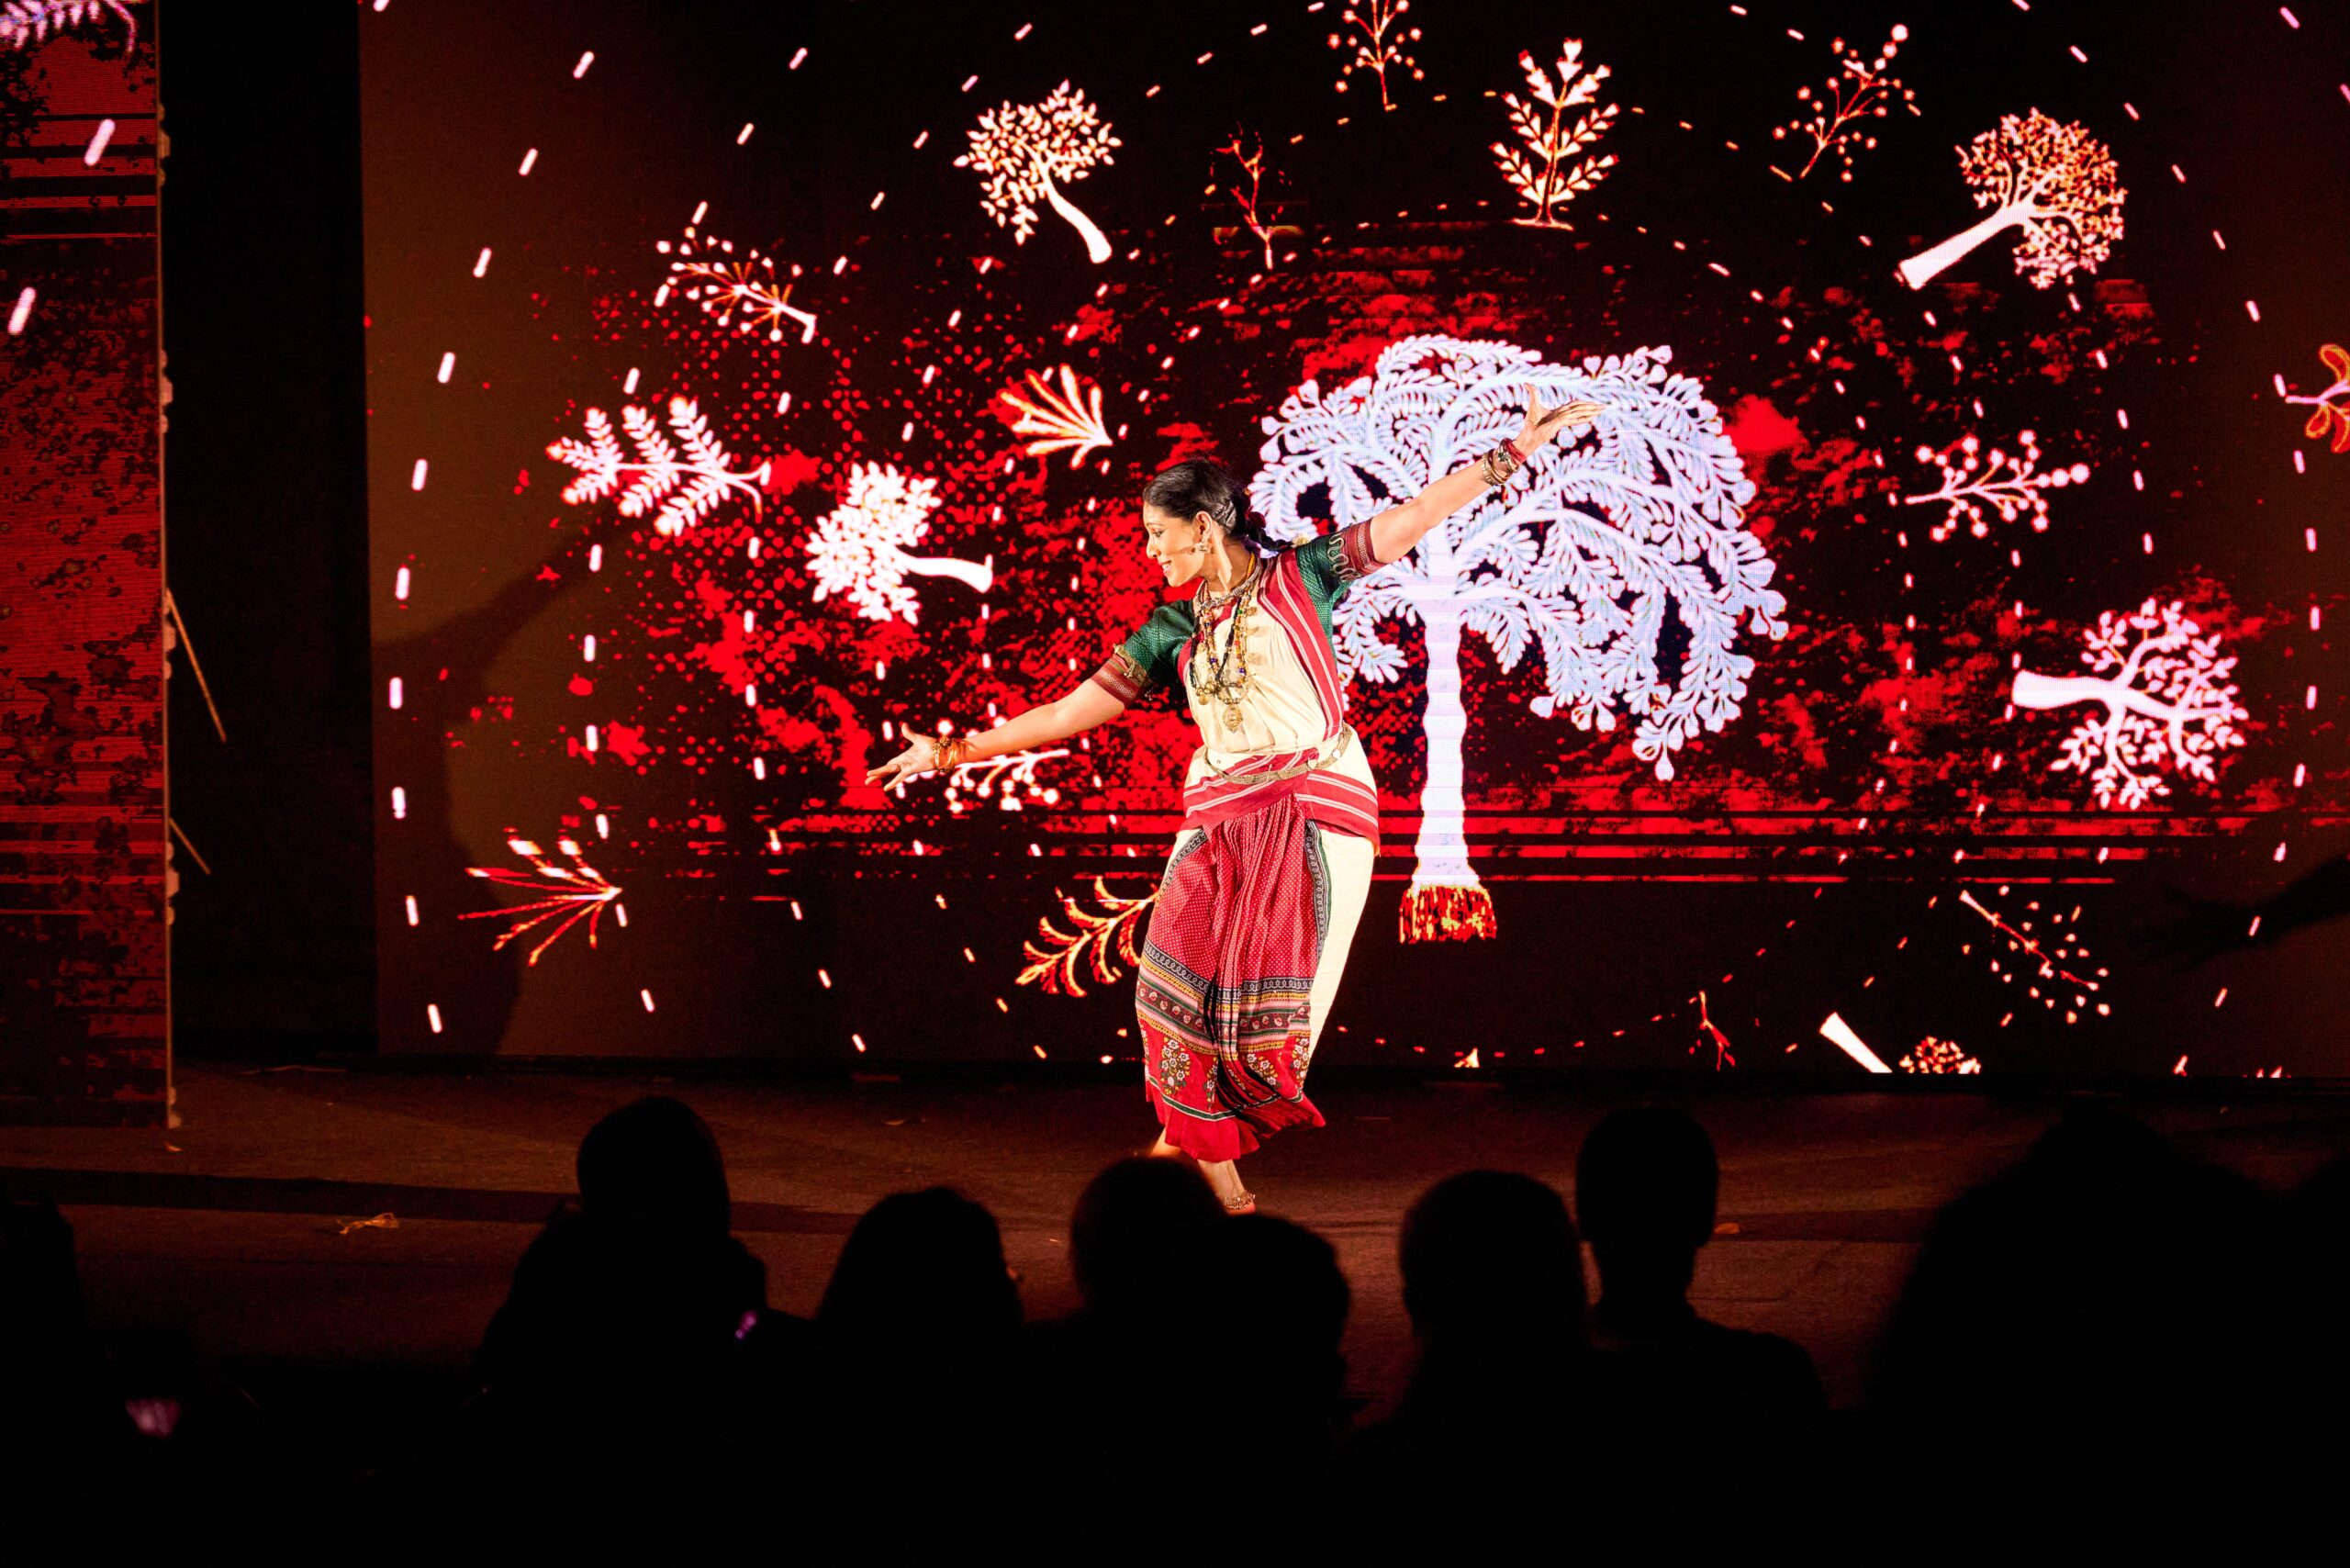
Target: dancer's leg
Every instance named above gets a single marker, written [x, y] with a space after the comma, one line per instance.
[1349, 859]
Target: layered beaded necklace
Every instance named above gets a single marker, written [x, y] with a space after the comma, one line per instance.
[1223, 677]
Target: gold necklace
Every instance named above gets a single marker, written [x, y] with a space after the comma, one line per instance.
[1226, 677]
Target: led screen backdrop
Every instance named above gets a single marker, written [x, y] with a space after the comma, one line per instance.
[1950, 585]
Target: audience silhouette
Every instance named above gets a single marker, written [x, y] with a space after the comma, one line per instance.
[2108, 1307]
[1647, 1183]
[1492, 1283]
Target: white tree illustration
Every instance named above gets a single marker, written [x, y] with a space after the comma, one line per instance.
[1021, 149]
[2051, 179]
[1063, 420]
[1635, 519]
[2011, 484]
[1557, 163]
[687, 484]
[859, 549]
[2169, 705]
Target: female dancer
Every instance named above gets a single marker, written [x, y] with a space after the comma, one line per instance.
[1280, 818]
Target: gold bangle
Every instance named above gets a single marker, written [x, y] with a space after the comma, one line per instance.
[948, 752]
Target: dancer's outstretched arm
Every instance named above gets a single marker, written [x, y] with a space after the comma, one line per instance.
[1396, 530]
[1087, 706]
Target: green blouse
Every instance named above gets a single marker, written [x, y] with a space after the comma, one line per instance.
[1144, 665]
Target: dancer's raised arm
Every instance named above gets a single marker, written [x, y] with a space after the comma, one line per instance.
[1396, 530]
[1086, 706]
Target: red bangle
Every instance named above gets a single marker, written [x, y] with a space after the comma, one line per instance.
[1511, 442]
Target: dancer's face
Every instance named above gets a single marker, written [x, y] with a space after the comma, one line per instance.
[1179, 546]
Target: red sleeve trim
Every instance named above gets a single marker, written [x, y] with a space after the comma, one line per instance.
[1121, 677]
[1356, 557]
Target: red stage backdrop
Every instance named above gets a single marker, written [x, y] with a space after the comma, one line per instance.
[82, 1007]
[1949, 579]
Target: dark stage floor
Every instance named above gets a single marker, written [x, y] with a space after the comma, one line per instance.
[228, 1227]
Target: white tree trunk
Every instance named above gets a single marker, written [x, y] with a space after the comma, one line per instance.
[1445, 902]
[2042, 692]
[1097, 244]
[978, 576]
[1926, 265]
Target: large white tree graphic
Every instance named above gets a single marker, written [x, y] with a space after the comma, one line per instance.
[2169, 704]
[2050, 178]
[1634, 521]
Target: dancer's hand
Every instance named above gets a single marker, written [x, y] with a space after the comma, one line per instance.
[1544, 425]
[918, 758]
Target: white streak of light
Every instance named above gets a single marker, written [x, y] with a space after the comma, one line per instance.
[648, 1000]
[528, 158]
[22, 313]
[433, 1015]
[743, 135]
[416, 477]
[587, 647]
[411, 908]
[400, 804]
[394, 693]
[585, 60]
[97, 148]
[481, 262]
[1840, 1033]
[447, 363]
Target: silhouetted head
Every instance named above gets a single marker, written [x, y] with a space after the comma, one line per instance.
[1646, 1185]
[1139, 1228]
[923, 1269]
[1284, 1274]
[1192, 509]
[1492, 1256]
[654, 1161]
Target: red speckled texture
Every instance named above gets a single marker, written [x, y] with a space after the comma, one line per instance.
[84, 1015]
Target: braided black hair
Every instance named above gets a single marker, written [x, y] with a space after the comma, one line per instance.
[1200, 485]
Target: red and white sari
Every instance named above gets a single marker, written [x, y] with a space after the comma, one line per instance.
[1267, 875]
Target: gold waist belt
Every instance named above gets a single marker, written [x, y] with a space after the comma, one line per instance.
[1297, 770]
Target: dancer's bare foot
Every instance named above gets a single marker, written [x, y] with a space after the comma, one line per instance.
[1223, 1175]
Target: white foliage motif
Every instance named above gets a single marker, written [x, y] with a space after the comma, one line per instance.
[859, 548]
[1634, 520]
[1022, 152]
[2169, 705]
[686, 479]
[31, 21]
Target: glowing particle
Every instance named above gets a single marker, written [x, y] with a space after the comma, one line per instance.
[400, 584]
[858, 1041]
[411, 908]
[742, 135]
[481, 262]
[433, 1015]
[23, 312]
[399, 803]
[629, 383]
[2251, 308]
[587, 647]
[595, 558]
[395, 690]
[585, 60]
[447, 363]
[592, 739]
[416, 476]
[646, 997]
[824, 977]
[800, 55]
[968, 82]
[528, 158]
[97, 148]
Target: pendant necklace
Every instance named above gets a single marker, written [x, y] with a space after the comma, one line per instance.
[1224, 678]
